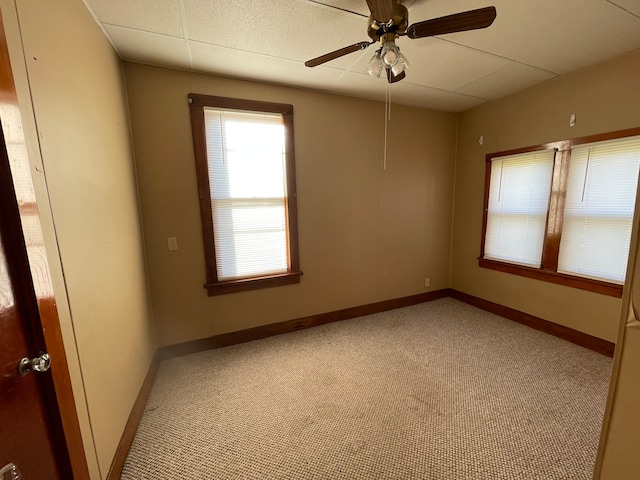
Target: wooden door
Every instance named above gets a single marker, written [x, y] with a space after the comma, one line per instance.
[31, 435]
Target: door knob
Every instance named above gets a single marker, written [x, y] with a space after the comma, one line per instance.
[9, 472]
[38, 364]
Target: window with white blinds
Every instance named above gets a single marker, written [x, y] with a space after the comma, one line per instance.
[245, 168]
[517, 207]
[598, 214]
[563, 212]
[247, 178]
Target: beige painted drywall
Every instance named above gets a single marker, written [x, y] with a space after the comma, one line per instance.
[366, 234]
[604, 98]
[73, 104]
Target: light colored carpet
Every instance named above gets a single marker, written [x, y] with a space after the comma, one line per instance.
[440, 390]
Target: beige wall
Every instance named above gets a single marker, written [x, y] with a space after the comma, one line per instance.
[85, 181]
[366, 234]
[604, 98]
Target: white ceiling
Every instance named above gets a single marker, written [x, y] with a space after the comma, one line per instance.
[269, 40]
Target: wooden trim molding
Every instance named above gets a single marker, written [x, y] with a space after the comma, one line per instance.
[555, 215]
[264, 331]
[226, 339]
[131, 427]
[583, 283]
[213, 285]
[253, 283]
[579, 338]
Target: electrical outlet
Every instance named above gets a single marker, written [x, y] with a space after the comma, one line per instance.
[172, 243]
[427, 282]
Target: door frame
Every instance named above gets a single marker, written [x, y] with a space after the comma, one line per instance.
[44, 316]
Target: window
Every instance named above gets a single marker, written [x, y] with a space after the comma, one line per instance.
[518, 203]
[563, 212]
[246, 184]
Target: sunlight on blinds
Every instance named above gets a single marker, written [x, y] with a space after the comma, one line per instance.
[517, 210]
[598, 214]
[247, 177]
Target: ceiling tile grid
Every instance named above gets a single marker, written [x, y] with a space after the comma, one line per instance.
[157, 16]
[252, 66]
[151, 48]
[631, 6]
[509, 79]
[528, 43]
[280, 28]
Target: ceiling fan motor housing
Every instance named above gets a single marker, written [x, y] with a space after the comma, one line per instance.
[398, 23]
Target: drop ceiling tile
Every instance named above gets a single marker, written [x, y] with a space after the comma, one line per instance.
[235, 63]
[366, 86]
[509, 79]
[361, 86]
[454, 102]
[421, 10]
[541, 35]
[602, 41]
[268, 41]
[281, 28]
[632, 6]
[518, 29]
[150, 48]
[159, 16]
[406, 93]
[356, 6]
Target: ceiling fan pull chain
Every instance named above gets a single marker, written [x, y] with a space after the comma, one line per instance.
[389, 93]
[387, 115]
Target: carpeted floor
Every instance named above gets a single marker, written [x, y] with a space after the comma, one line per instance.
[440, 390]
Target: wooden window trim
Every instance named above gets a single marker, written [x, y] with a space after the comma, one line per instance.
[197, 103]
[555, 216]
[583, 283]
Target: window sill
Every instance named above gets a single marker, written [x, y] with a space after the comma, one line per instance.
[597, 286]
[255, 283]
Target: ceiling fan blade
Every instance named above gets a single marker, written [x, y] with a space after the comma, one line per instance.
[381, 10]
[314, 62]
[391, 78]
[458, 22]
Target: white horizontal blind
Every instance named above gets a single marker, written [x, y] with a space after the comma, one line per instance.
[247, 178]
[517, 211]
[598, 213]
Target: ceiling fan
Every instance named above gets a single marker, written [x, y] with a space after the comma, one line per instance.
[389, 20]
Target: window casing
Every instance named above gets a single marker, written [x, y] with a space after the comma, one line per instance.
[246, 184]
[585, 189]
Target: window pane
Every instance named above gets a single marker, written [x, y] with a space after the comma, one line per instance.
[246, 154]
[517, 210]
[247, 178]
[598, 215]
[250, 238]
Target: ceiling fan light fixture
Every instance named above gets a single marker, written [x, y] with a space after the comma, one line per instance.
[375, 65]
[390, 54]
[389, 20]
[397, 69]
[401, 65]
